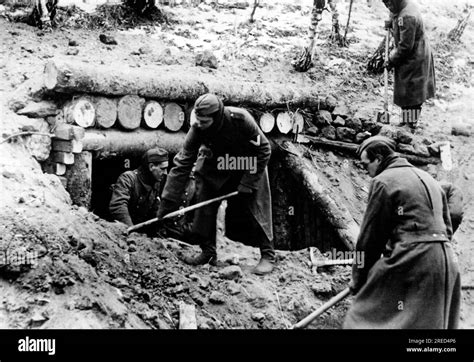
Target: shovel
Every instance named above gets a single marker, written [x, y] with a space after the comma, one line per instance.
[330, 303]
[180, 212]
[384, 117]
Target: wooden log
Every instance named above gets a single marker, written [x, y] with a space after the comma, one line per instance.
[267, 122]
[55, 168]
[113, 143]
[130, 112]
[165, 82]
[298, 123]
[66, 158]
[73, 146]
[331, 207]
[187, 316]
[173, 117]
[152, 115]
[39, 109]
[284, 122]
[105, 111]
[32, 90]
[351, 149]
[79, 180]
[80, 111]
[68, 132]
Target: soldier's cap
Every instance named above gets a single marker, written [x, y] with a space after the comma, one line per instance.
[207, 104]
[374, 141]
[156, 155]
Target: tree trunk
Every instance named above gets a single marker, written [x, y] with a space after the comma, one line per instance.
[333, 209]
[267, 122]
[39, 109]
[105, 111]
[284, 122]
[80, 111]
[130, 112]
[352, 150]
[115, 143]
[79, 180]
[167, 83]
[173, 117]
[152, 115]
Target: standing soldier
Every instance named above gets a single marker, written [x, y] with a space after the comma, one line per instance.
[409, 279]
[412, 60]
[218, 134]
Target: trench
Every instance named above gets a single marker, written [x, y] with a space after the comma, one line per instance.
[297, 221]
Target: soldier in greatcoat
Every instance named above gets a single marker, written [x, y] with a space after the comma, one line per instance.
[409, 278]
[218, 134]
[411, 59]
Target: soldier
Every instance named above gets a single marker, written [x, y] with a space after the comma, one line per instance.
[409, 278]
[455, 203]
[136, 195]
[412, 60]
[220, 140]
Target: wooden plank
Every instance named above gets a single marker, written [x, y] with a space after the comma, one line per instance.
[73, 146]
[66, 158]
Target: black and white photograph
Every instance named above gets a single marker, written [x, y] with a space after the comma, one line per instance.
[225, 179]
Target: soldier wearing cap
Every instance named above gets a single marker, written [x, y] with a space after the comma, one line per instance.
[409, 279]
[220, 133]
[136, 194]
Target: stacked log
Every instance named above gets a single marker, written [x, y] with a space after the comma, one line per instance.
[67, 142]
[173, 117]
[267, 122]
[129, 112]
[105, 112]
[80, 112]
[152, 115]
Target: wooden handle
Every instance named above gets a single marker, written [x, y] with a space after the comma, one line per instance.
[180, 212]
[330, 303]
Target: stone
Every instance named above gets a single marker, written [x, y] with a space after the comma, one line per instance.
[354, 123]
[217, 298]
[329, 132]
[132, 248]
[433, 149]
[204, 284]
[362, 136]
[258, 317]
[364, 115]
[421, 150]
[231, 273]
[331, 103]
[232, 259]
[322, 288]
[120, 283]
[38, 320]
[339, 122]
[371, 126]
[341, 110]
[313, 131]
[73, 43]
[107, 39]
[408, 149]
[389, 132]
[404, 136]
[323, 118]
[146, 49]
[233, 288]
[206, 59]
[345, 134]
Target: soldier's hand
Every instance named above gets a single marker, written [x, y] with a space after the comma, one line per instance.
[244, 190]
[166, 206]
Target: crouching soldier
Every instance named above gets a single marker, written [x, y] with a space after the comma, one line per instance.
[136, 195]
[218, 139]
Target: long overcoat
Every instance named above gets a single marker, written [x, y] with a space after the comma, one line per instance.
[416, 283]
[412, 57]
[237, 138]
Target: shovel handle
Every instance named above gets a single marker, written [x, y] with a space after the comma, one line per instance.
[180, 212]
[330, 303]
[385, 73]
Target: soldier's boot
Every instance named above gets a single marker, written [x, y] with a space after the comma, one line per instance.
[264, 266]
[201, 259]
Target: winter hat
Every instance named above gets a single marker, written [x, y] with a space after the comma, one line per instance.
[376, 140]
[156, 155]
[207, 104]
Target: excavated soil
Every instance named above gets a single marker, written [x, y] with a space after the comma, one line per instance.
[87, 273]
